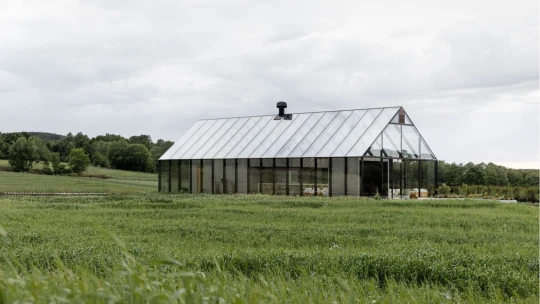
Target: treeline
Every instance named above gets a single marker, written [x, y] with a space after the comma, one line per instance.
[137, 153]
[483, 174]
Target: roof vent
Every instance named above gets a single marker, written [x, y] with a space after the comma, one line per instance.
[282, 106]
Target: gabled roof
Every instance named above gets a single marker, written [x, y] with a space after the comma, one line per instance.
[347, 133]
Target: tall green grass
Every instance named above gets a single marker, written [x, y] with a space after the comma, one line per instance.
[245, 249]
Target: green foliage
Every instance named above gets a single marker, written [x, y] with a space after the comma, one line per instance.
[55, 162]
[78, 160]
[488, 175]
[257, 248]
[99, 160]
[22, 154]
[145, 140]
[134, 157]
[443, 190]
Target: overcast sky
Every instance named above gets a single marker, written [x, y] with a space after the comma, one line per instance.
[465, 71]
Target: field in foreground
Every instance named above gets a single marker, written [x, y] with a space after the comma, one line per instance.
[246, 249]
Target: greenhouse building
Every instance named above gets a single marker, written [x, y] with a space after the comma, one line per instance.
[364, 152]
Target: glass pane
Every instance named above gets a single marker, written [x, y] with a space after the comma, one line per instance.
[312, 135]
[196, 176]
[280, 176]
[425, 150]
[327, 133]
[392, 140]
[357, 132]
[231, 137]
[214, 138]
[308, 176]
[338, 176]
[219, 186]
[202, 140]
[376, 147]
[385, 191]
[408, 120]
[395, 119]
[295, 139]
[184, 173]
[193, 139]
[373, 132]
[254, 175]
[322, 177]
[294, 176]
[164, 175]
[276, 141]
[410, 173]
[279, 132]
[411, 142]
[230, 178]
[353, 176]
[247, 137]
[342, 133]
[174, 175]
[207, 176]
[372, 177]
[242, 176]
[265, 132]
[396, 179]
[267, 176]
[180, 142]
[428, 178]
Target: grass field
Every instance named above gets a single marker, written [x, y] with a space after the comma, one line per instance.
[255, 248]
[117, 181]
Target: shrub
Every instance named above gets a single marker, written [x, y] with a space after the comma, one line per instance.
[443, 190]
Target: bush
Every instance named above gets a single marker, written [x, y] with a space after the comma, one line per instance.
[47, 170]
[443, 190]
[78, 160]
[63, 169]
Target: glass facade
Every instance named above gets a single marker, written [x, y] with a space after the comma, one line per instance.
[341, 153]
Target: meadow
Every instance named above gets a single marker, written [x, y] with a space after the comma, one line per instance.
[255, 248]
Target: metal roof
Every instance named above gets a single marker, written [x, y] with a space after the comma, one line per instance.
[346, 133]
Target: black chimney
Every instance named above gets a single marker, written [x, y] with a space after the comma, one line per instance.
[281, 106]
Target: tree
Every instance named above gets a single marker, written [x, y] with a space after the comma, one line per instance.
[99, 160]
[145, 140]
[78, 160]
[55, 162]
[138, 158]
[22, 154]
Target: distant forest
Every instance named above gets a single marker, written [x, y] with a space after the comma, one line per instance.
[136, 153]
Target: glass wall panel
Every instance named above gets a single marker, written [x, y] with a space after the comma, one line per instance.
[392, 140]
[242, 174]
[280, 136]
[230, 172]
[353, 176]
[254, 175]
[323, 177]
[267, 176]
[207, 176]
[407, 120]
[376, 147]
[308, 176]
[174, 175]
[425, 150]
[373, 132]
[280, 176]
[219, 186]
[164, 175]
[345, 146]
[203, 139]
[313, 134]
[294, 176]
[232, 137]
[184, 176]
[427, 175]
[343, 132]
[295, 139]
[385, 178]
[338, 176]
[327, 133]
[410, 173]
[196, 176]
[396, 178]
[411, 142]
[372, 177]
[211, 142]
[395, 119]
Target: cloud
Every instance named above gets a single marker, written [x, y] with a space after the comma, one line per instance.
[467, 72]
